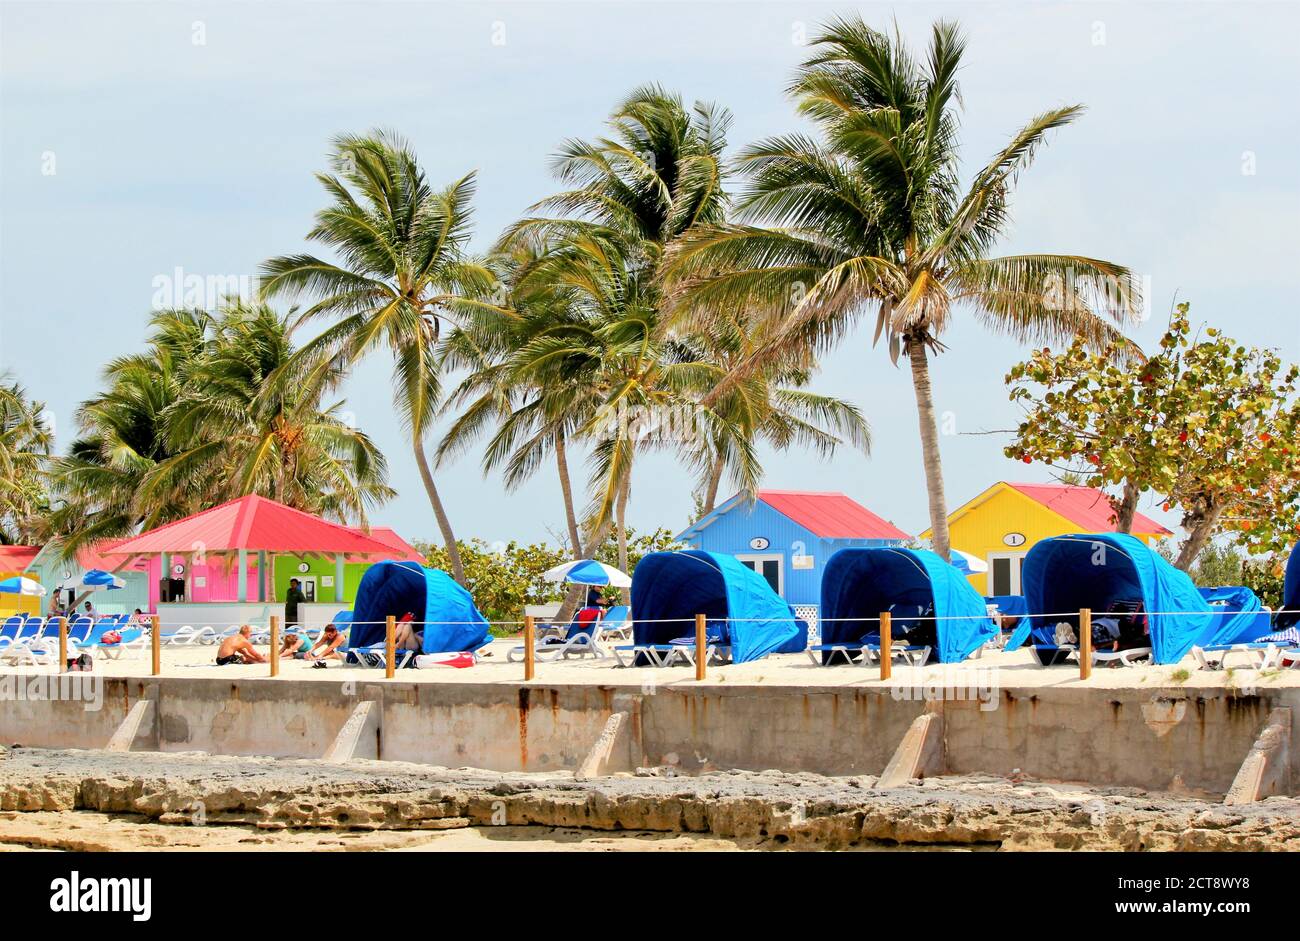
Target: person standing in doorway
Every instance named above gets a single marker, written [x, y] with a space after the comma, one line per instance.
[292, 598]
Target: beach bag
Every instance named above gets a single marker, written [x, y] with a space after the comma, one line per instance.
[111, 637]
[82, 663]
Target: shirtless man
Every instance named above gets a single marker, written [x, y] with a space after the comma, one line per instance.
[238, 649]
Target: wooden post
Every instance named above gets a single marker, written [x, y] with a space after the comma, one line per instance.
[390, 647]
[1085, 643]
[156, 644]
[886, 645]
[701, 646]
[275, 645]
[530, 634]
[63, 645]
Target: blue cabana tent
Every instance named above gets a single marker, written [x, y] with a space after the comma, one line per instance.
[1098, 570]
[451, 622]
[1242, 620]
[861, 583]
[1289, 616]
[670, 588]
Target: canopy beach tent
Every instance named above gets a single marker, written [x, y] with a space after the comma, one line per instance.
[1243, 617]
[1100, 571]
[1289, 616]
[443, 610]
[670, 588]
[859, 584]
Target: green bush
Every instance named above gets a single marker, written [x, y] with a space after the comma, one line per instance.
[505, 577]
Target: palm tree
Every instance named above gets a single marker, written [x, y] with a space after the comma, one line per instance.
[245, 429]
[533, 422]
[872, 218]
[402, 273]
[25, 441]
[769, 404]
[657, 175]
[98, 483]
[199, 419]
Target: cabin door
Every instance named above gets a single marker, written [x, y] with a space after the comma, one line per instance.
[769, 566]
[1004, 573]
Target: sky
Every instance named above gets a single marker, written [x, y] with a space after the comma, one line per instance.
[141, 138]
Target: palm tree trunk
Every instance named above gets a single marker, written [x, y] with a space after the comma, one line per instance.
[444, 524]
[575, 593]
[566, 488]
[711, 493]
[620, 510]
[929, 447]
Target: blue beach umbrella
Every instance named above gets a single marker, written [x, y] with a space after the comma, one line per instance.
[98, 580]
[588, 572]
[966, 563]
[17, 585]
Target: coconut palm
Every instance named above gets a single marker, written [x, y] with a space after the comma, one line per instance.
[25, 441]
[770, 404]
[197, 420]
[123, 437]
[631, 194]
[872, 218]
[244, 428]
[402, 273]
[533, 422]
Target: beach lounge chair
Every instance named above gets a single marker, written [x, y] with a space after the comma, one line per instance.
[617, 623]
[374, 656]
[717, 644]
[132, 638]
[188, 636]
[10, 629]
[28, 644]
[580, 640]
[1259, 655]
[656, 655]
[825, 654]
[1125, 658]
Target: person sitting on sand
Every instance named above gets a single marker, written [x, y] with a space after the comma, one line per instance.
[238, 649]
[330, 640]
[295, 645]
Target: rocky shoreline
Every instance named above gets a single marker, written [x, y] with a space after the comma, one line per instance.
[766, 809]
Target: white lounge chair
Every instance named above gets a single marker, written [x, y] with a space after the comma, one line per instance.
[1125, 658]
[617, 623]
[1260, 656]
[580, 641]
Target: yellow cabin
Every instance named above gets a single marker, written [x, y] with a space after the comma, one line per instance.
[14, 561]
[1004, 522]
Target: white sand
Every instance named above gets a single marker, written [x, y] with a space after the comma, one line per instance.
[1005, 670]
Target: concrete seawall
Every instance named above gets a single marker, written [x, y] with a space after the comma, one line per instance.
[1150, 738]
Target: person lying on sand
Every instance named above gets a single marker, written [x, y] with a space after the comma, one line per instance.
[330, 641]
[238, 649]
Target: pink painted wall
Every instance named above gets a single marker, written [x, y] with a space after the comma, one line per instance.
[220, 584]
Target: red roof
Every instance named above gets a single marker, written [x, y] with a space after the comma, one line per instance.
[401, 550]
[256, 524]
[1086, 507]
[17, 558]
[830, 515]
